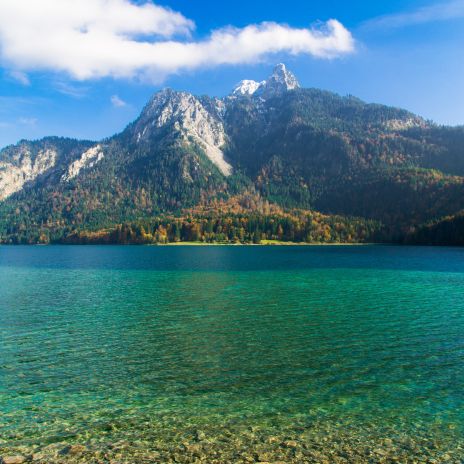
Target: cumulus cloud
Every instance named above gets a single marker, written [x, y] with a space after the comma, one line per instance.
[443, 11]
[118, 102]
[98, 38]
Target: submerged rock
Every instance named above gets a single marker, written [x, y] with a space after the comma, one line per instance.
[73, 449]
[18, 459]
[200, 435]
[290, 444]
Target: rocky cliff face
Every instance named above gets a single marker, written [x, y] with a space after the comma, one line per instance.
[23, 167]
[87, 160]
[187, 118]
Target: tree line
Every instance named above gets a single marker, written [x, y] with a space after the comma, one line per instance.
[239, 228]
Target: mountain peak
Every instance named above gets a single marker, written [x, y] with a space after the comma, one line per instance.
[246, 87]
[281, 80]
[188, 119]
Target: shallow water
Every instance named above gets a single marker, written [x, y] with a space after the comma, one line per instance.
[232, 354]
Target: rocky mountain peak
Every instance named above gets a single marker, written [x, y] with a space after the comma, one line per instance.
[280, 81]
[189, 119]
[246, 87]
[282, 77]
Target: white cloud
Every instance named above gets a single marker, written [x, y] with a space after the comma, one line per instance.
[28, 121]
[71, 90]
[98, 38]
[443, 11]
[20, 77]
[117, 102]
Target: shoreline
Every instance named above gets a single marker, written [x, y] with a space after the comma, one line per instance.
[322, 441]
[268, 243]
[264, 243]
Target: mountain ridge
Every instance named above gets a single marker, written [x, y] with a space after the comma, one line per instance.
[299, 149]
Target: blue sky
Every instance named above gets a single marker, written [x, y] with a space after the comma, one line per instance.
[405, 53]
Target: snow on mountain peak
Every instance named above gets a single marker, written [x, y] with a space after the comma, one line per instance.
[281, 80]
[246, 87]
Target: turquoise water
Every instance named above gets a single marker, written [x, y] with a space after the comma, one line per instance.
[232, 354]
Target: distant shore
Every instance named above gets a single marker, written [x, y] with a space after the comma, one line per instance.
[262, 243]
[183, 243]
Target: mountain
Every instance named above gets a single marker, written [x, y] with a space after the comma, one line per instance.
[274, 159]
[281, 81]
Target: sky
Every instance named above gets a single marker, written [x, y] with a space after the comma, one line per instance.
[85, 69]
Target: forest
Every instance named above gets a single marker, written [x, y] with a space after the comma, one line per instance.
[298, 227]
[308, 166]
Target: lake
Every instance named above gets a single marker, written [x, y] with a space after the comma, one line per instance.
[232, 354]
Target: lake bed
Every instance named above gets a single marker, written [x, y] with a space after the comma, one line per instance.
[232, 354]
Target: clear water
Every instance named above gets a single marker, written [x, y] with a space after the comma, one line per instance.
[301, 354]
